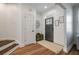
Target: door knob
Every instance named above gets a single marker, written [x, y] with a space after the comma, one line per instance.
[32, 30]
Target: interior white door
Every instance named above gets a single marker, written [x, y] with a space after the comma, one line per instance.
[29, 30]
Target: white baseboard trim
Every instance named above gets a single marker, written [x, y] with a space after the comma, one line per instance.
[10, 51]
[16, 42]
[66, 50]
[69, 48]
[30, 43]
[22, 45]
[5, 46]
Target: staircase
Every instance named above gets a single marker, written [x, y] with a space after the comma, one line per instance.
[7, 47]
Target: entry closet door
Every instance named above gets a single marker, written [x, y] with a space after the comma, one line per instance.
[28, 28]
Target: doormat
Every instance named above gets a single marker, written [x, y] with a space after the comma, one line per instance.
[51, 46]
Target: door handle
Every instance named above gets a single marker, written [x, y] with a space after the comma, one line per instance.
[32, 30]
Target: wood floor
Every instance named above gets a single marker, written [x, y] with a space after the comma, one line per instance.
[37, 49]
[33, 49]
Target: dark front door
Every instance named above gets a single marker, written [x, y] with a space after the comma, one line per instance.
[49, 29]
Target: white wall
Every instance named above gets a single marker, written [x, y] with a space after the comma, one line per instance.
[2, 21]
[68, 27]
[8, 20]
[58, 31]
[75, 22]
[39, 18]
[11, 21]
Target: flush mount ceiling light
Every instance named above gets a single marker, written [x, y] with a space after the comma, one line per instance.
[45, 7]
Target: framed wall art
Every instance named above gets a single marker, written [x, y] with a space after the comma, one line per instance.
[61, 19]
[56, 23]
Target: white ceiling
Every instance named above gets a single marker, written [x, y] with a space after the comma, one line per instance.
[40, 6]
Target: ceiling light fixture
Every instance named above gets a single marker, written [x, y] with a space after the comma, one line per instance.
[45, 7]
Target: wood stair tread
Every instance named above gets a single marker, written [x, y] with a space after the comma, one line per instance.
[5, 42]
[7, 49]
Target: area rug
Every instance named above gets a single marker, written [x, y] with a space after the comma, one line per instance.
[51, 46]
